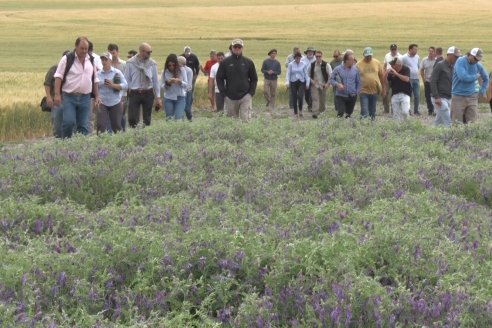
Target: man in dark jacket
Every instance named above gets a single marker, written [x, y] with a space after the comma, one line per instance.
[236, 79]
[440, 84]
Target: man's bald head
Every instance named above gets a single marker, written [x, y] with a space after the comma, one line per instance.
[144, 50]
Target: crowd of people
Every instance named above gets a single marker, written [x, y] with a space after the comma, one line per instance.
[121, 92]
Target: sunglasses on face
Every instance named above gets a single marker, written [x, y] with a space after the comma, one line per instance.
[319, 56]
[104, 58]
[237, 46]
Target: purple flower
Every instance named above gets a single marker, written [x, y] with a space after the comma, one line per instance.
[418, 253]
[239, 256]
[24, 279]
[168, 156]
[53, 170]
[224, 315]
[185, 218]
[220, 197]
[335, 315]
[436, 310]
[38, 227]
[333, 228]
[399, 193]
[167, 260]
[338, 290]
[263, 272]
[70, 248]
[202, 260]
[102, 153]
[343, 214]
[260, 322]
[62, 279]
[348, 315]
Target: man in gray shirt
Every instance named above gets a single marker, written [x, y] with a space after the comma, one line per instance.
[440, 85]
[271, 70]
[426, 72]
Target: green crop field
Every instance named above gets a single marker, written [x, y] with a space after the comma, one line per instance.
[279, 222]
[35, 33]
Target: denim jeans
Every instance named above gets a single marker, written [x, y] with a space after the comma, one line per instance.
[76, 112]
[188, 103]
[56, 120]
[175, 108]
[443, 112]
[416, 94]
[368, 105]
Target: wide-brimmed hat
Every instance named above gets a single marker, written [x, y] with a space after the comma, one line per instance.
[310, 48]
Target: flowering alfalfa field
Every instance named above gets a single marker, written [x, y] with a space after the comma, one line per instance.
[275, 223]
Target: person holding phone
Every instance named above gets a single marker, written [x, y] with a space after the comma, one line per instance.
[112, 84]
[175, 83]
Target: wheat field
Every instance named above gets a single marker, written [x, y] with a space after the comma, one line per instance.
[35, 33]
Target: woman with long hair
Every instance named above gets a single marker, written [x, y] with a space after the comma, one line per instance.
[174, 83]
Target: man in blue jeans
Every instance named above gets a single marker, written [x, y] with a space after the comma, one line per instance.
[412, 60]
[373, 83]
[73, 91]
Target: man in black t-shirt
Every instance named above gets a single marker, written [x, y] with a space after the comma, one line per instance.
[398, 76]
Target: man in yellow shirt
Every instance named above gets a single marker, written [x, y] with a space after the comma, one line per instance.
[372, 80]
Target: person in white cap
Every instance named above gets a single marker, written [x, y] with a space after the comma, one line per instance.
[193, 63]
[237, 79]
[388, 58]
[440, 84]
[373, 83]
[464, 89]
[112, 86]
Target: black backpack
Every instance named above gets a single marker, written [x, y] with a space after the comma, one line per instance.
[70, 61]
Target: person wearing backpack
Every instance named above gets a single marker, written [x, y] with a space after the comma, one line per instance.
[75, 80]
[49, 88]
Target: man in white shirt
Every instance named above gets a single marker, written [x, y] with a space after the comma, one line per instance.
[412, 61]
[388, 58]
[212, 86]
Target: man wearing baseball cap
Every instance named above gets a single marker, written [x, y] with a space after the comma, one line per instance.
[440, 84]
[236, 79]
[465, 87]
[388, 58]
[372, 81]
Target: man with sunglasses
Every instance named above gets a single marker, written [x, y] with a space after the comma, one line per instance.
[465, 88]
[143, 85]
[237, 79]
